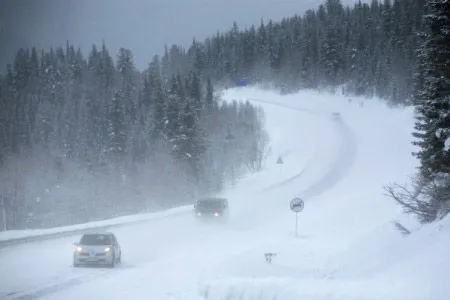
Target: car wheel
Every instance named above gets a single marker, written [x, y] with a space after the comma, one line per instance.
[119, 259]
[74, 262]
[113, 261]
[112, 264]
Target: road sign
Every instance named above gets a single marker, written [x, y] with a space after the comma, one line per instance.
[297, 205]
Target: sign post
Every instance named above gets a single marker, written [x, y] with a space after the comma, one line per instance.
[297, 204]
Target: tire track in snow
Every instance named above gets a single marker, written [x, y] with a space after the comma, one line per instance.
[309, 164]
[84, 275]
[310, 161]
[345, 157]
[330, 175]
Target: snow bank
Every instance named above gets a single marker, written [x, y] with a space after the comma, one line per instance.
[124, 220]
[348, 247]
[383, 265]
[292, 288]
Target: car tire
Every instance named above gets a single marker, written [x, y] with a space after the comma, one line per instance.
[113, 261]
[74, 262]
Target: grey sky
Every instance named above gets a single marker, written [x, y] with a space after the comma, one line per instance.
[143, 26]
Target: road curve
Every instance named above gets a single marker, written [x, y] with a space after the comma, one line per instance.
[344, 159]
[62, 277]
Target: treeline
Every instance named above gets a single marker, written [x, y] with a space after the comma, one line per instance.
[84, 138]
[367, 49]
[88, 138]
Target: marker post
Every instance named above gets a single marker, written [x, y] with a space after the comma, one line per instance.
[297, 204]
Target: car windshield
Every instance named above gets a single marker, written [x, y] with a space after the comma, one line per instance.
[210, 204]
[96, 239]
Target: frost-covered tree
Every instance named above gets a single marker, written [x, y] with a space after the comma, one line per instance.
[432, 96]
[429, 198]
[86, 138]
[366, 49]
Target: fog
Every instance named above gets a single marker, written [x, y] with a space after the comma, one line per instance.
[143, 26]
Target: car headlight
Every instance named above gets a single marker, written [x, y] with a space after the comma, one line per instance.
[78, 249]
[107, 249]
[199, 214]
[216, 214]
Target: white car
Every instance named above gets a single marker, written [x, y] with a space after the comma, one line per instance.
[97, 249]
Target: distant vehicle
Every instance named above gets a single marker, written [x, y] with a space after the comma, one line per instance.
[97, 249]
[211, 208]
[336, 116]
[241, 82]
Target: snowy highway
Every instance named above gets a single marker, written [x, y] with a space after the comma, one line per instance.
[175, 257]
[179, 243]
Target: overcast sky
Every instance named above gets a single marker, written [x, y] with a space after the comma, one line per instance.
[143, 26]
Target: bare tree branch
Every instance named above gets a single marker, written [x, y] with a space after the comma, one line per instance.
[427, 199]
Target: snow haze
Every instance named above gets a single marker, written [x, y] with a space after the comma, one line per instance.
[143, 26]
[347, 246]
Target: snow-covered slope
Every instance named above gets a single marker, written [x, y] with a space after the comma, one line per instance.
[347, 247]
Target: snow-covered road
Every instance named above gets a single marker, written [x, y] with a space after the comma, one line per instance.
[178, 249]
[347, 247]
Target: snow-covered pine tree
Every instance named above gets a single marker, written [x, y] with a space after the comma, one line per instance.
[332, 46]
[432, 97]
[90, 115]
[209, 95]
[432, 101]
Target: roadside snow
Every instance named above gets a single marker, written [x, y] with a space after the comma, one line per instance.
[347, 248]
[19, 234]
[381, 266]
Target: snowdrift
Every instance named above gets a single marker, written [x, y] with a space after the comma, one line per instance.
[349, 247]
[414, 267]
[18, 236]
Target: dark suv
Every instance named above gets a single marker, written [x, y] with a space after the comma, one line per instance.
[211, 208]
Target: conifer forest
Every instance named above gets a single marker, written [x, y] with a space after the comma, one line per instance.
[88, 136]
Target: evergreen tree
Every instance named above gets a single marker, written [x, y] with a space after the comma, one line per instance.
[209, 94]
[60, 111]
[432, 96]
[195, 93]
[117, 133]
[431, 191]
[191, 144]
[3, 120]
[333, 46]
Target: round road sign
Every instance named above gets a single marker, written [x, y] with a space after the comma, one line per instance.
[297, 205]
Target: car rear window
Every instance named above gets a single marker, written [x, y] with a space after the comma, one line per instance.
[96, 239]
